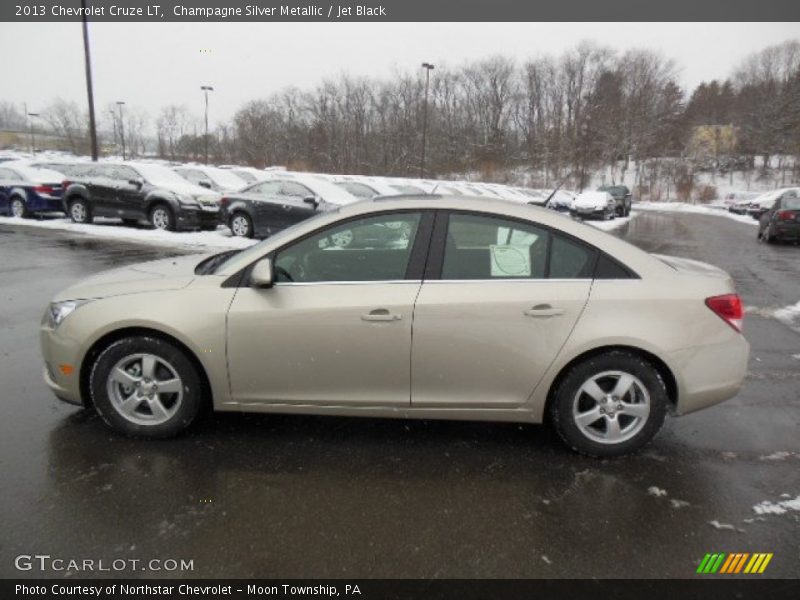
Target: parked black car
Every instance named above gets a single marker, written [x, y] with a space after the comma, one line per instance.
[266, 207]
[251, 214]
[622, 196]
[782, 221]
[139, 191]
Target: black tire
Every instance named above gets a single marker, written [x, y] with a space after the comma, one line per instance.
[241, 225]
[18, 208]
[174, 363]
[767, 236]
[162, 217]
[566, 397]
[79, 210]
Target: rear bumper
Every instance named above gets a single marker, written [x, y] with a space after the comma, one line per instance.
[38, 203]
[710, 374]
[786, 230]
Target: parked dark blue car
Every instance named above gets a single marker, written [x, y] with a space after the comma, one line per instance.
[25, 191]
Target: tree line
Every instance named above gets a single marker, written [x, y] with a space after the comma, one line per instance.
[546, 120]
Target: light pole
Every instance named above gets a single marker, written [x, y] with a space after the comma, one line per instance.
[113, 125]
[30, 127]
[206, 89]
[89, 91]
[121, 127]
[428, 68]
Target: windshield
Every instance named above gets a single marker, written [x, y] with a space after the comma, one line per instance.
[253, 252]
[327, 191]
[163, 176]
[226, 178]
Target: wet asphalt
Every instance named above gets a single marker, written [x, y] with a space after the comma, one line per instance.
[295, 496]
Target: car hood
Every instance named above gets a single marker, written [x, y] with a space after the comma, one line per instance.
[160, 275]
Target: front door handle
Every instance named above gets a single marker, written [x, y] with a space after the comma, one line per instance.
[544, 310]
[381, 314]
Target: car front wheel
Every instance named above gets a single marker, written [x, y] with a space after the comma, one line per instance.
[161, 217]
[610, 404]
[146, 386]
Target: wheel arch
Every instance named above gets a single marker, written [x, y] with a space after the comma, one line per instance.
[663, 370]
[118, 334]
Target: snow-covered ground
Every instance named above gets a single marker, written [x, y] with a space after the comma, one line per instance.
[610, 225]
[111, 229]
[693, 208]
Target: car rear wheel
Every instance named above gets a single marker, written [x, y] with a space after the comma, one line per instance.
[145, 386]
[18, 208]
[79, 211]
[610, 404]
[161, 217]
[241, 225]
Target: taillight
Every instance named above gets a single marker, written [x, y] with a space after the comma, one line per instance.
[728, 308]
[43, 189]
[66, 183]
[785, 215]
[224, 201]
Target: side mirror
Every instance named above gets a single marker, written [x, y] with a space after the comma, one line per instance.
[261, 275]
[204, 183]
[137, 182]
[313, 200]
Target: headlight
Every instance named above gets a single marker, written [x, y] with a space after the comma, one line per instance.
[61, 310]
[188, 201]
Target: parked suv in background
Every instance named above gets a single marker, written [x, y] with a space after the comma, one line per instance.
[136, 191]
[622, 198]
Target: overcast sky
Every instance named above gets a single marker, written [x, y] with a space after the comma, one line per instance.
[151, 65]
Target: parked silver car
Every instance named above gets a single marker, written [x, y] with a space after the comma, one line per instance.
[517, 315]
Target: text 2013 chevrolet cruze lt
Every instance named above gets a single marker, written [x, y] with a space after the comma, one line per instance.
[446, 308]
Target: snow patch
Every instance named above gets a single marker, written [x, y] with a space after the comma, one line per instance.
[610, 225]
[679, 503]
[547, 560]
[789, 315]
[702, 209]
[656, 491]
[777, 508]
[780, 455]
[717, 525]
[111, 229]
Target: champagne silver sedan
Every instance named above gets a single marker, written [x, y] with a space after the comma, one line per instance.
[446, 308]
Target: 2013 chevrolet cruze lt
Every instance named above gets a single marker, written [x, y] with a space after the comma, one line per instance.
[447, 308]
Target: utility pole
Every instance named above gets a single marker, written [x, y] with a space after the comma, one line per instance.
[30, 127]
[428, 68]
[206, 89]
[89, 91]
[120, 103]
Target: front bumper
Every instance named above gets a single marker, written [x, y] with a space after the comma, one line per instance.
[58, 351]
[198, 218]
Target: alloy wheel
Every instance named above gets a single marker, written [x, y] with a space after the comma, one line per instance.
[611, 407]
[17, 208]
[160, 218]
[78, 212]
[145, 389]
[240, 226]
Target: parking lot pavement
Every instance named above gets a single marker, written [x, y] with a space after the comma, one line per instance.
[292, 496]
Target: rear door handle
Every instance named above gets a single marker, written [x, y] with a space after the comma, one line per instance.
[544, 310]
[381, 314]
